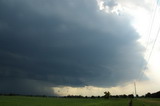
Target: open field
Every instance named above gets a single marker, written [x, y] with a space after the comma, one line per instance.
[40, 101]
[146, 102]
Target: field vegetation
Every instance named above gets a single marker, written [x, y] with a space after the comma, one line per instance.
[50, 101]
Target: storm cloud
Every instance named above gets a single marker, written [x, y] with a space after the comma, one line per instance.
[47, 43]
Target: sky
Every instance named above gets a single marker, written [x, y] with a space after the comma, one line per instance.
[79, 47]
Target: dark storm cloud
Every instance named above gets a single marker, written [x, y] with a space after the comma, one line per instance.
[46, 43]
[25, 86]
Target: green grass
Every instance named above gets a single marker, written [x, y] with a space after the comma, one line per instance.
[147, 102]
[40, 101]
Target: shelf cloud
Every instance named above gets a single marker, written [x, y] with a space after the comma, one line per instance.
[48, 43]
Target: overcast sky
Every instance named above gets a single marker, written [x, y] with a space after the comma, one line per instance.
[52, 43]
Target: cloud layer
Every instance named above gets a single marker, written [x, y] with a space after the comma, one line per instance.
[45, 43]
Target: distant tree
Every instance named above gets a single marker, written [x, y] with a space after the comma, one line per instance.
[153, 95]
[130, 96]
[156, 95]
[142, 96]
[148, 95]
[137, 96]
[123, 96]
[117, 96]
[80, 96]
[107, 95]
[93, 97]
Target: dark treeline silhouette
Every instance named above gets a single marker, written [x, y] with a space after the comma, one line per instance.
[153, 95]
[106, 95]
[122, 96]
[74, 96]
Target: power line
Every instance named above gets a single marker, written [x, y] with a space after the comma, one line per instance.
[147, 43]
[151, 26]
[148, 40]
[153, 44]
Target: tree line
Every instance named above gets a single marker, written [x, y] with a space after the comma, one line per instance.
[106, 95]
[153, 95]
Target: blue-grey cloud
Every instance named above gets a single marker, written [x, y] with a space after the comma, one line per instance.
[69, 42]
[110, 3]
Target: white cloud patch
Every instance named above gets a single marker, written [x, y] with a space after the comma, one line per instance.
[109, 6]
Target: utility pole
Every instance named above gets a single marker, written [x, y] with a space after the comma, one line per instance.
[135, 89]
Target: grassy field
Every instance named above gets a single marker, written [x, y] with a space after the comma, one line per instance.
[146, 102]
[40, 101]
